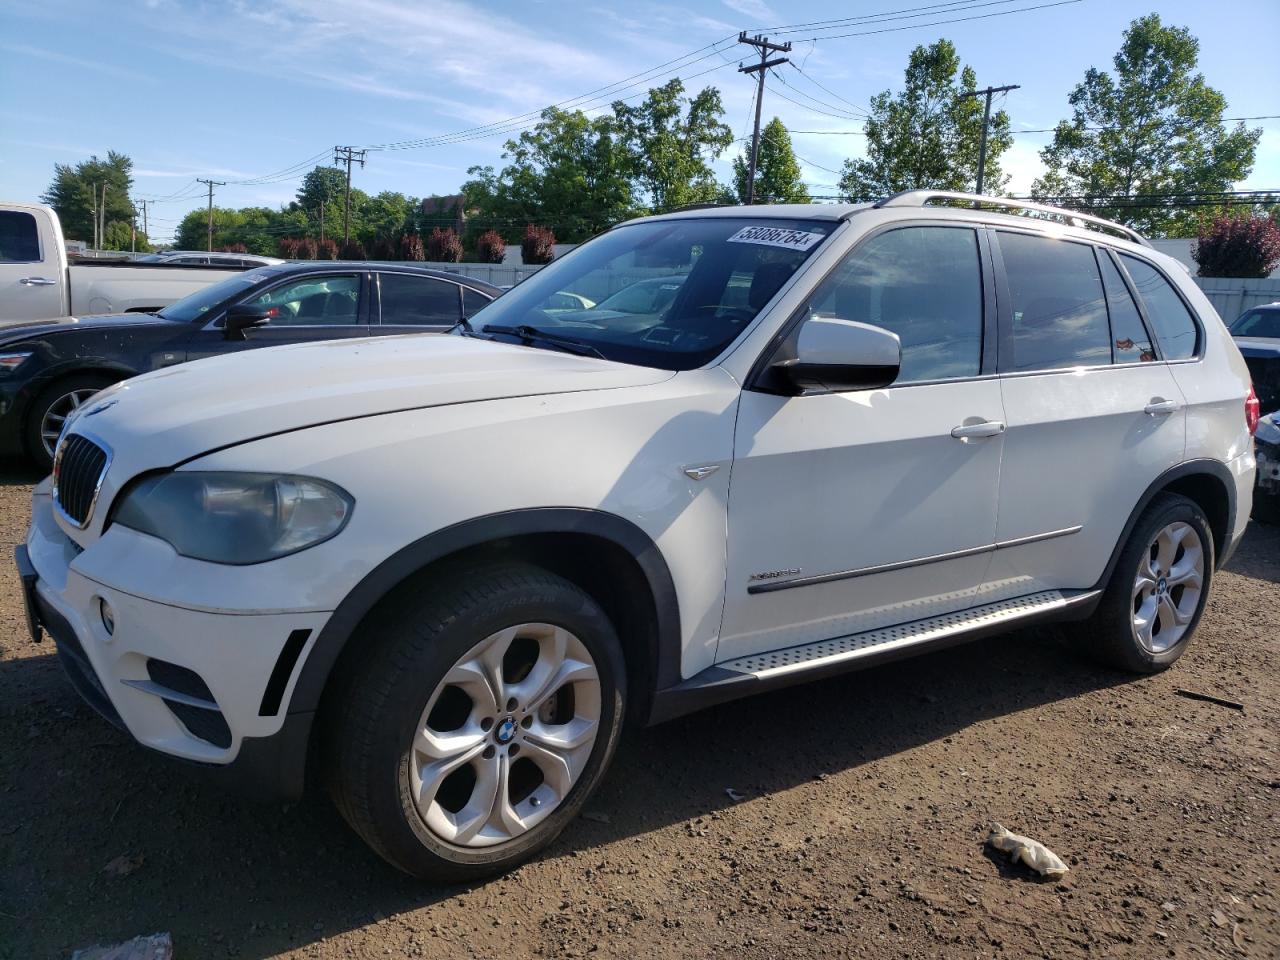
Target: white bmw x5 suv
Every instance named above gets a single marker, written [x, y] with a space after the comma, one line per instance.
[446, 569]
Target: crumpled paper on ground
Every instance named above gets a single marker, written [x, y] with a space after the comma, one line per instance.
[1031, 852]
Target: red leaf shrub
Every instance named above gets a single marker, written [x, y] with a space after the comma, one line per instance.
[1238, 246]
[444, 246]
[233, 248]
[353, 250]
[490, 247]
[326, 249]
[309, 250]
[539, 245]
[411, 248]
[287, 248]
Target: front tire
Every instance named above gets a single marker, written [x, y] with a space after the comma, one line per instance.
[50, 409]
[482, 718]
[1157, 592]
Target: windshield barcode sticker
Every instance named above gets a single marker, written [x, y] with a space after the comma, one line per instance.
[776, 237]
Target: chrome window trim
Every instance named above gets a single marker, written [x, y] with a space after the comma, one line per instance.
[775, 585]
[97, 487]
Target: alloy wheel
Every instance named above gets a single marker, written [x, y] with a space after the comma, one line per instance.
[505, 735]
[1167, 587]
[56, 415]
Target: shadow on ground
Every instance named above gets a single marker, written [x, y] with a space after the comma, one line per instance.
[230, 877]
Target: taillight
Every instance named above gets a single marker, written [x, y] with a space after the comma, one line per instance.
[1252, 411]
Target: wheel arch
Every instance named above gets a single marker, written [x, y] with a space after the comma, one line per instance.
[608, 556]
[109, 370]
[1209, 484]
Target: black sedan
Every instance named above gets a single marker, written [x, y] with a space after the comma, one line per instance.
[48, 368]
[1257, 334]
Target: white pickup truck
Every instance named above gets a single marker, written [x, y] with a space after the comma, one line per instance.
[37, 283]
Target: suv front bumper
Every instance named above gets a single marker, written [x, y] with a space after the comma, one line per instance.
[211, 687]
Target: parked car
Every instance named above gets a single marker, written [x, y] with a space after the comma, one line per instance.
[1266, 496]
[49, 368]
[1257, 334]
[216, 259]
[455, 566]
[36, 282]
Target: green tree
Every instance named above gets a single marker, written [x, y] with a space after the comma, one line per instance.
[570, 172]
[326, 187]
[72, 195]
[671, 140]
[928, 136]
[777, 172]
[1154, 127]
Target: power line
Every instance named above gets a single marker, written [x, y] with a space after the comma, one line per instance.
[936, 8]
[832, 93]
[938, 23]
[1204, 123]
[986, 123]
[841, 111]
[348, 154]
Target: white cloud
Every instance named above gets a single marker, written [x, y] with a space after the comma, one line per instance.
[756, 9]
[1022, 162]
[23, 50]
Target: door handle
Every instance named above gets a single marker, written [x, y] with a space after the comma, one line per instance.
[1160, 408]
[978, 431]
[37, 282]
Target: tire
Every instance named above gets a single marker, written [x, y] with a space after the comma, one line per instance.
[399, 712]
[56, 400]
[1115, 633]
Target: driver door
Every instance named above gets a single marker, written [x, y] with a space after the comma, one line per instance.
[328, 306]
[858, 510]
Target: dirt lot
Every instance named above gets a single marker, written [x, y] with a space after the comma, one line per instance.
[865, 802]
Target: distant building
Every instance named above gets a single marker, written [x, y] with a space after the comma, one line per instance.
[444, 212]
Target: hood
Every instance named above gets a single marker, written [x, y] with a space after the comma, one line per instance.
[1258, 346]
[22, 329]
[162, 418]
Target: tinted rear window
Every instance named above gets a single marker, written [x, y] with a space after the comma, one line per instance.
[19, 240]
[1174, 326]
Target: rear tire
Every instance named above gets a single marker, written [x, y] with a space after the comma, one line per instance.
[482, 717]
[50, 409]
[1153, 602]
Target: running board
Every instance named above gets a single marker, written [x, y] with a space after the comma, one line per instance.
[777, 668]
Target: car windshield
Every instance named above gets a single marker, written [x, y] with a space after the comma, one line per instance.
[665, 293]
[192, 308]
[1258, 323]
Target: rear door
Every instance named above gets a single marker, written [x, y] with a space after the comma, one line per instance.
[32, 276]
[1094, 414]
[328, 306]
[413, 303]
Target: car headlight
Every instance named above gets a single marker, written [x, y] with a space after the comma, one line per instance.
[10, 362]
[235, 518]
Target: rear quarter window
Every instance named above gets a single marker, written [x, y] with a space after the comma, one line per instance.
[1174, 326]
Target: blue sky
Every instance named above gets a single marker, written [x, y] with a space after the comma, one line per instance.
[233, 90]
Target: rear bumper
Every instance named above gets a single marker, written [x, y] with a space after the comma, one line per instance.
[210, 688]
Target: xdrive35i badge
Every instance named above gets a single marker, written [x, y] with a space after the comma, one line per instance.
[774, 574]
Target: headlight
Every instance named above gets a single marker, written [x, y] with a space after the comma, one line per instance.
[10, 362]
[235, 518]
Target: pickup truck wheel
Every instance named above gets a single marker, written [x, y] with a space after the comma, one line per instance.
[49, 411]
[479, 724]
[1157, 593]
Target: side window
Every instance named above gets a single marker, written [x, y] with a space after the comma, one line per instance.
[1059, 311]
[1174, 327]
[925, 285]
[1129, 340]
[19, 239]
[418, 301]
[473, 301]
[314, 300]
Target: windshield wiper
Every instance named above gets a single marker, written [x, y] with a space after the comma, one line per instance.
[533, 335]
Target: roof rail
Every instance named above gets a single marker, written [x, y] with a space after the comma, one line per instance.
[918, 198]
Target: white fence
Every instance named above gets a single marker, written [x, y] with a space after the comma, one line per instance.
[1232, 297]
[501, 275]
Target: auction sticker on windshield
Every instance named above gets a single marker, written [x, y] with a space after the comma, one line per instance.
[776, 237]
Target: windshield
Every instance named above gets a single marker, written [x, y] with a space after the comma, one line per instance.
[662, 293]
[1258, 323]
[192, 308]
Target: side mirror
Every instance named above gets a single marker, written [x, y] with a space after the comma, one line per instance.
[242, 317]
[828, 355]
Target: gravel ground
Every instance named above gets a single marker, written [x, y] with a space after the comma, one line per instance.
[865, 801]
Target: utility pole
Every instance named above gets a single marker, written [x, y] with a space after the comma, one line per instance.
[102, 217]
[764, 47]
[212, 184]
[95, 215]
[348, 154]
[144, 216]
[986, 121]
